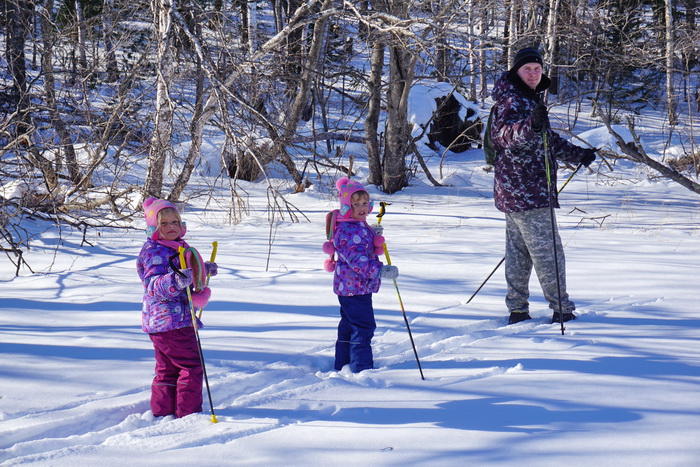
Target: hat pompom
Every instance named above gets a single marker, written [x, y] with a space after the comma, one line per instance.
[341, 181]
[201, 298]
[148, 201]
[329, 265]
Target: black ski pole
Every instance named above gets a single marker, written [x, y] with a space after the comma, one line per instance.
[193, 314]
[382, 210]
[504, 258]
[487, 279]
[554, 223]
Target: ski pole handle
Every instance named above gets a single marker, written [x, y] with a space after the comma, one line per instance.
[181, 252]
[214, 245]
[382, 211]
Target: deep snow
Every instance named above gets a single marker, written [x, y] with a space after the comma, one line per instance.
[621, 387]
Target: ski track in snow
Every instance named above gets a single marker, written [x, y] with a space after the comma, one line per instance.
[89, 423]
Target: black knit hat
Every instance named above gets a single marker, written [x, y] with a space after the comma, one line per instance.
[526, 56]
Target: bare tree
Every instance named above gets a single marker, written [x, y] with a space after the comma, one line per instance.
[374, 91]
[111, 64]
[670, 71]
[636, 153]
[164, 107]
[17, 27]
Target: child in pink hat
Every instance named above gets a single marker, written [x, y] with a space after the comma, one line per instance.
[166, 314]
[357, 274]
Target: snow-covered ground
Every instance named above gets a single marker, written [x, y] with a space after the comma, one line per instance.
[621, 386]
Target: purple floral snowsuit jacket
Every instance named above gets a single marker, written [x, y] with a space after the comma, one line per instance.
[165, 305]
[520, 182]
[357, 267]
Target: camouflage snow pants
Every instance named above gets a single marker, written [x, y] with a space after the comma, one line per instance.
[528, 245]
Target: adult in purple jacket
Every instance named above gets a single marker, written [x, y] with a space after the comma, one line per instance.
[166, 314]
[520, 185]
[357, 273]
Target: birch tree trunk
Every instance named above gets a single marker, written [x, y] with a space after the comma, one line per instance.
[252, 25]
[550, 40]
[372, 120]
[111, 64]
[471, 15]
[670, 91]
[164, 107]
[483, 22]
[196, 133]
[512, 31]
[301, 99]
[398, 130]
[82, 47]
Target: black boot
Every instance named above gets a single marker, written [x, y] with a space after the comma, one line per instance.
[568, 316]
[518, 316]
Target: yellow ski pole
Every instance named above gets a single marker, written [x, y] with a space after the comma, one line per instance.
[214, 246]
[382, 211]
[183, 265]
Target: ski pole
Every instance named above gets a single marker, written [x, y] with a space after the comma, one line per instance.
[382, 211]
[504, 258]
[183, 265]
[214, 246]
[554, 224]
[487, 279]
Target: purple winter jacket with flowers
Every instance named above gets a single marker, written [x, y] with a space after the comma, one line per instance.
[520, 182]
[165, 305]
[357, 267]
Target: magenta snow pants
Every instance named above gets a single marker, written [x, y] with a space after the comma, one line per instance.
[177, 387]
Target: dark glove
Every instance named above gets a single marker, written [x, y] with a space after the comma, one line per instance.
[588, 157]
[183, 278]
[538, 116]
[211, 268]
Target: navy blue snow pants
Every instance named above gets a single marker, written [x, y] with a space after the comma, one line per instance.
[355, 332]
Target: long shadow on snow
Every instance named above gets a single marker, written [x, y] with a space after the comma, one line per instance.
[488, 413]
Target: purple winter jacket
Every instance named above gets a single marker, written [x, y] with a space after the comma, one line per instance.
[165, 305]
[520, 181]
[357, 267]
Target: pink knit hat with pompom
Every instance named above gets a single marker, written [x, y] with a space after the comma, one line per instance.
[151, 208]
[347, 188]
